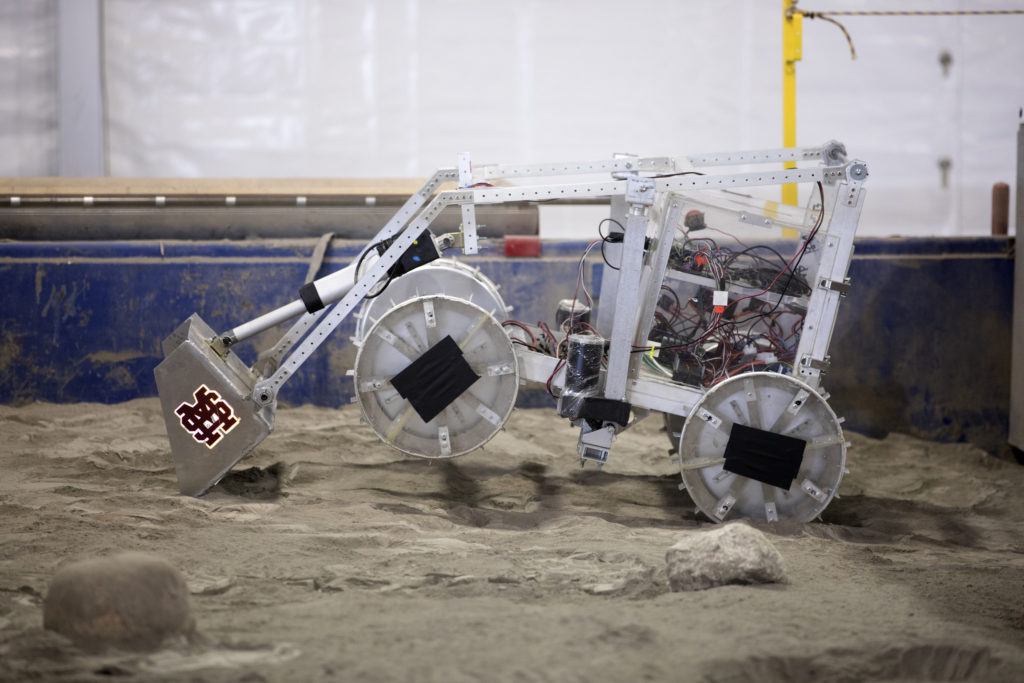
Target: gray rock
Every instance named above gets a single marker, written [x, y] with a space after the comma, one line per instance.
[131, 600]
[734, 553]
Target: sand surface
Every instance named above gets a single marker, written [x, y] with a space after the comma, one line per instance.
[507, 564]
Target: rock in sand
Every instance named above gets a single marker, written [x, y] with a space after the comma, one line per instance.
[131, 600]
[734, 553]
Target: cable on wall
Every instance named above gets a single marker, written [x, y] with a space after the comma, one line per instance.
[827, 16]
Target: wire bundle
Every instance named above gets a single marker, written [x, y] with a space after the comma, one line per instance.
[701, 343]
[697, 342]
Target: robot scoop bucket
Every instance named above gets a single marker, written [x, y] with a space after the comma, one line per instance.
[206, 400]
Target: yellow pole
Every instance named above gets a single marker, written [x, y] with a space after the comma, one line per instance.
[792, 32]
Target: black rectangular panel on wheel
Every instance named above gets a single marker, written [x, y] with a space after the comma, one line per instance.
[435, 379]
[764, 456]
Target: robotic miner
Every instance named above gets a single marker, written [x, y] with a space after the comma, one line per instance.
[727, 339]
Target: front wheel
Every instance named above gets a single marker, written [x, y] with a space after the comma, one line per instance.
[764, 446]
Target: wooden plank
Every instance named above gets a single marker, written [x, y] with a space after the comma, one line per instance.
[208, 186]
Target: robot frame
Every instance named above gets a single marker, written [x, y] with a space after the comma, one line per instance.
[437, 375]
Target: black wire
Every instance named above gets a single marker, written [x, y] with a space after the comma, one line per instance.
[746, 252]
[605, 258]
[785, 289]
[673, 175]
[359, 265]
[527, 345]
[810, 238]
[762, 271]
[381, 291]
[606, 239]
[728, 329]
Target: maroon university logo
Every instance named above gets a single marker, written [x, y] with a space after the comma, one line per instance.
[209, 418]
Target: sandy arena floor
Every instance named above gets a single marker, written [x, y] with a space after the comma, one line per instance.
[508, 564]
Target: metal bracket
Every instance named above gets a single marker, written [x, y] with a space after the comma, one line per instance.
[470, 244]
[836, 286]
[833, 175]
[754, 219]
[465, 170]
[820, 365]
[833, 153]
[856, 173]
[470, 240]
[449, 240]
[627, 160]
[596, 445]
[640, 191]
[852, 193]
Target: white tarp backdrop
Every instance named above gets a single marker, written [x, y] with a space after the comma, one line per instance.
[394, 88]
[28, 88]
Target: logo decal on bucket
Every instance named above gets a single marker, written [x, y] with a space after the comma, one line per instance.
[209, 418]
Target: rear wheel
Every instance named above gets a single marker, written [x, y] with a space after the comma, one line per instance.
[443, 342]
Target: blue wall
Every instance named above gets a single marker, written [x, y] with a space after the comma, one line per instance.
[922, 344]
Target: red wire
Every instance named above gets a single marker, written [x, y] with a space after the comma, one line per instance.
[744, 367]
[548, 383]
[544, 327]
[524, 327]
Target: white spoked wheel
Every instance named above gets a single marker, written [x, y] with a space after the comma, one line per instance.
[436, 376]
[763, 446]
[443, 276]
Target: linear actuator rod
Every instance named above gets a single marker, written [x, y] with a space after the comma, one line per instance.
[315, 295]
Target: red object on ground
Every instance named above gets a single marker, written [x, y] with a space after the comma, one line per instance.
[522, 245]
